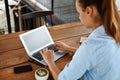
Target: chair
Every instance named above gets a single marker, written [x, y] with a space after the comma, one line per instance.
[29, 18]
[38, 18]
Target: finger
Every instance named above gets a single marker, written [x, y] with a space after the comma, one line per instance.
[44, 50]
[51, 51]
[41, 52]
[57, 45]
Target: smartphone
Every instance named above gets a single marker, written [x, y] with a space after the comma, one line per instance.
[24, 68]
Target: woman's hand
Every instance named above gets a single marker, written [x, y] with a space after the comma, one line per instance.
[61, 46]
[47, 55]
[64, 47]
[49, 59]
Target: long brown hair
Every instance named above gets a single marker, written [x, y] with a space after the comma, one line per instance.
[109, 13]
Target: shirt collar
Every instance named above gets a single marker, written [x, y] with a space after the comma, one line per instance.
[99, 31]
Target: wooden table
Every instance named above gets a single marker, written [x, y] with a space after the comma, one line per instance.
[13, 54]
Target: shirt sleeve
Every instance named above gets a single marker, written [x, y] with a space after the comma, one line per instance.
[81, 62]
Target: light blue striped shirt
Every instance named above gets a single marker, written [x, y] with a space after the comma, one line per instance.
[98, 58]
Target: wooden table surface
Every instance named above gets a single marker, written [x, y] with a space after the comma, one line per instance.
[13, 54]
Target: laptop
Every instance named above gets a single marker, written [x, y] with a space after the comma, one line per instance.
[36, 40]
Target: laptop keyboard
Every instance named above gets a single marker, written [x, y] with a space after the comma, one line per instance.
[38, 56]
[52, 47]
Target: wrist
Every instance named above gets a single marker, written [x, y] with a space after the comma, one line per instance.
[71, 49]
[50, 62]
[68, 48]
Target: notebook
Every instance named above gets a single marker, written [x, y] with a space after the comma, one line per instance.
[36, 40]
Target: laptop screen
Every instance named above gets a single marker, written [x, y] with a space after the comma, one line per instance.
[36, 39]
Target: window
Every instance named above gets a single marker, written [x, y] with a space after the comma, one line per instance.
[118, 4]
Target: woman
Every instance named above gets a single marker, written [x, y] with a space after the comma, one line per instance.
[98, 58]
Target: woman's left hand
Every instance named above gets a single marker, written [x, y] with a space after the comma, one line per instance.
[47, 55]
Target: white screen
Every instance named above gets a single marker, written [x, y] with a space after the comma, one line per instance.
[36, 39]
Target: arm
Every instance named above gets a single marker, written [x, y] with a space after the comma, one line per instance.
[54, 69]
[71, 49]
[64, 47]
[48, 57]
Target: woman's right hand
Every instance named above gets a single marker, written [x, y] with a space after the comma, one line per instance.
[61, 46]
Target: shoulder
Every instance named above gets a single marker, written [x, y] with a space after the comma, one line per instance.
[98, 40]
[93, 46]
[98, 43]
